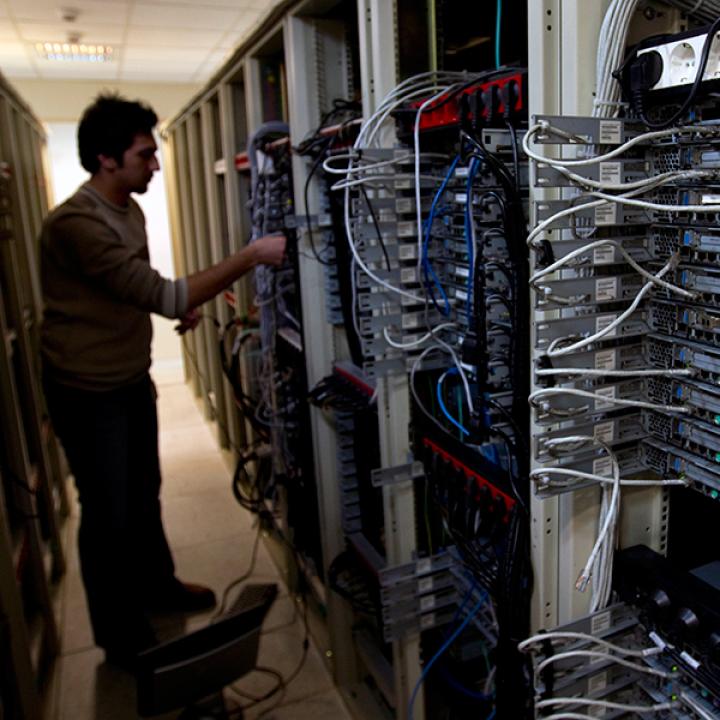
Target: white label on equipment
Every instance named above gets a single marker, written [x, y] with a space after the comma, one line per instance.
[602, 321]
[606, 289]
[610, 132]
[406, 229]
[606, 360]
[604, 255]
[423, 567]
[598, 682]
[606, 392]
[407, 252]
[606, 214]
[596, 711]
[604, 432]
[425, 585]
[404, 205]
[461, 198]
[408, 275]
[409, 321]
[610, 172]
[427, 603]
[602, 621]
[602, 467]
[710, 199]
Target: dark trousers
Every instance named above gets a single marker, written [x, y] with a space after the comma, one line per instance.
[110, 439]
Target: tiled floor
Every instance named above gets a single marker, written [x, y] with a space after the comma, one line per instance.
[211, 538]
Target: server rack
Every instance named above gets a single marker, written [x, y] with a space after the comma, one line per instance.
[393, 41]
[33, 501]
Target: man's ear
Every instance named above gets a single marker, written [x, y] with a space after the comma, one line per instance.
[107, 162]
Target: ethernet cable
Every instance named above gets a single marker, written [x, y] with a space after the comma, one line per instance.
[540, 476]
[592, 372]
[416, 145]
[607, 704]
[654, 278]
[642, 138]
[669, 176]
[541, 395]
[562, 635]
[609, 511]
[625, 198]
[555, 350]
[415, 343]
[599, 657]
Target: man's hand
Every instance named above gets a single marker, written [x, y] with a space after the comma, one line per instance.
[188, 322]
[270, 249]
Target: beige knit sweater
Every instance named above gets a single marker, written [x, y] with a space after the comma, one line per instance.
[99, 289]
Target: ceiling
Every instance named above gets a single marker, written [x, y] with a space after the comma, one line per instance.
[153, 40]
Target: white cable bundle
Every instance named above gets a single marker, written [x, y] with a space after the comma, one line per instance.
[611, 50]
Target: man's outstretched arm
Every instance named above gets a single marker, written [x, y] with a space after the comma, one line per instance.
[206, 284]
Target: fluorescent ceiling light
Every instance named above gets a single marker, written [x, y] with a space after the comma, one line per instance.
[75, 52]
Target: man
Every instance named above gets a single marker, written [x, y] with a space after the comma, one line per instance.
[99, 290]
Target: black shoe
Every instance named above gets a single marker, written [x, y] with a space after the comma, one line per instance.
[183, 597]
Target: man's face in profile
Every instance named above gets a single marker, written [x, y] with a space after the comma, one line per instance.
[139, 163]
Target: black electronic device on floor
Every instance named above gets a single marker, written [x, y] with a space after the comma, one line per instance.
[182, 671]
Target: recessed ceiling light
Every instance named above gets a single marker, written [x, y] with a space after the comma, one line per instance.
[77, 52]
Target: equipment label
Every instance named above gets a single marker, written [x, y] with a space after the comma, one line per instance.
[602, 467]
[610, 172]
[606, 214]
[604, 255]
[407, 252]
[602, 321]
[607, 392]
[606, 360]
[610, 132]
[604, 432]
[601, 622]
[408, 275]
[406, 229]
[409, 321]
[606, 289]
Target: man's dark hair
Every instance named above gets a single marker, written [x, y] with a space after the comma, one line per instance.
[109, 126]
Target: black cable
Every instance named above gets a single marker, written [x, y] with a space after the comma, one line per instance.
[515, 153]
[381, 240]
[306, 188]
[233, 584]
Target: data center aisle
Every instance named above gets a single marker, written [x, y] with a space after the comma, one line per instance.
[212, 539]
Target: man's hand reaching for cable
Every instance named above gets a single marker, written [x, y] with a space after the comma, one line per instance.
[189, 321]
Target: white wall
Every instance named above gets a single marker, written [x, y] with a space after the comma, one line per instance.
[67, 174]
[65, 100]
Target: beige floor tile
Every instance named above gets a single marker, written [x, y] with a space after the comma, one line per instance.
[203, 517]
